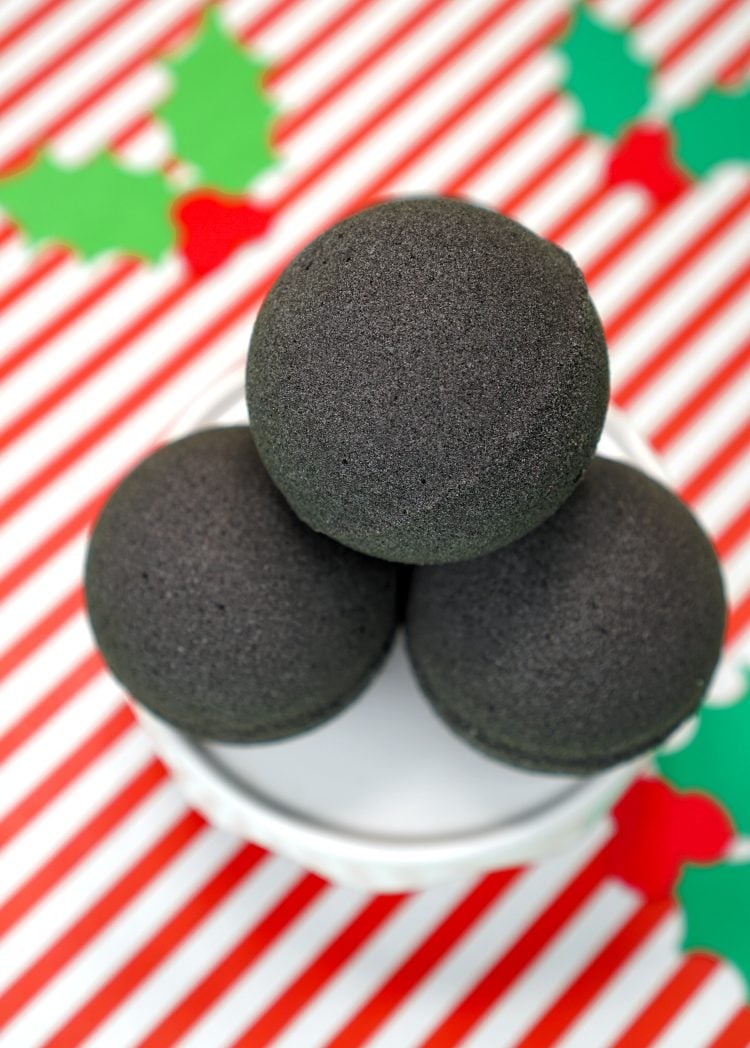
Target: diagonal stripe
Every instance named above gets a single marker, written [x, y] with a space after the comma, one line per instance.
[474, 1005]
[235, 962]
[662, 1009]
[736, 1034]
[169, 936]
[29, 21]
[696, 33]
[91, 747]
[13, 656]
[436, 945]
[670, 350]
[567, 1007]
[108, 816]
[44, 264]
[728, 539]
[34, 978]
[716, 464]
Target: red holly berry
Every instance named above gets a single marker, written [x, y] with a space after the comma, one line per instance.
[644, 156]
[659, 830]
[211, 226]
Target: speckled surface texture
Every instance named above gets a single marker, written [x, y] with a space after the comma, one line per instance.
[218, 609]
[582, 644]
[427, 380]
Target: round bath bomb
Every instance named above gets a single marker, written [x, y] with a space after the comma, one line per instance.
[218, 609]
[427, 380]
[582, 644]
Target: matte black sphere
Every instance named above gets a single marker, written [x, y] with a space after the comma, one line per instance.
[584, 643]
[427, 380]
[218, 609]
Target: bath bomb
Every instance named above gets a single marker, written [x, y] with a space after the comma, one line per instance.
[584, 643]
[427, 380]
[218, 609]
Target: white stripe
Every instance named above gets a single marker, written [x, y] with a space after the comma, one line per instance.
[122, 43]
[564, 190]
[584, 935]
[45, 588]
[59, 821]
[123, 937]
[467, 962]
[45, 41]
[737, 567]
[708, 1010]
[693, 367]
[728, 497]
[33, 308]
[276, 967]
[683, 223]
[628, 993]
[15, 258]
[296, 25]
[64, 904]
[212, 939]
[697, 69]
[379, 955]
[669, 23]
[621, 209]
[61, 734]
[711, 431]
[33, 678]
[481, 125]
[680, 300]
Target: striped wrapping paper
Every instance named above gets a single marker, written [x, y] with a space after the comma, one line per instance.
[125, 919]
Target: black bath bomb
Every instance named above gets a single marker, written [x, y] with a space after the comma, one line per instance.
[584, 643]
[218, 609]
[427, 380]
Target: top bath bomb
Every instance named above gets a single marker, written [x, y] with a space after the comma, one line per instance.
[427, 381]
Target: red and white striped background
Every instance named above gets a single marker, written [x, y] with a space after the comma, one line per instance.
[124, 918]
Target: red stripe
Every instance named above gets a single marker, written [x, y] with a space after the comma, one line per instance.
[688, 252]
[339, 20]
[42, 266]
[477, 1002]
[57, 464]
[79, 43]
[89, 750]
[739, 619]
[148, 956]
[81, 675]
[559, 232]
[499, 143]
[736, 68]
[109, 905]
[42, 337]
[736, 1034]
[648, 11]
[443, 937]
[570, 149]
[89, 836]
[688, 978]
[696, 33]
[617, 247]
[319, 971]
[348, 142]
[594, 977]
[235, 963]
[720, 461]
[90, 366]
[171, 37]
[670, 350]
[67, 531]
[733, 533]
[292, 122]
[29, 21]
[41, 630]
[676, 424]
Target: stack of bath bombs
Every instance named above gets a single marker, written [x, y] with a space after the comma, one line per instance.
[427, 383]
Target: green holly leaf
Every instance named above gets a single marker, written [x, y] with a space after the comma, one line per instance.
[716, 759]
[716, 904]
[714, 129]
[608, 79]
[217, 113]
[92, 208]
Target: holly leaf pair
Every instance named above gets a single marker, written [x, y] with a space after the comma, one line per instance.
[613, 85]
[219, 121]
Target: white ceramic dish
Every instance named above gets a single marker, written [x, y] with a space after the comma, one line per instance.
[384, 796]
